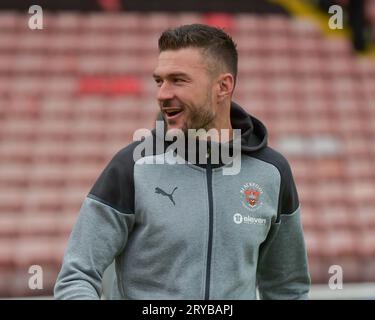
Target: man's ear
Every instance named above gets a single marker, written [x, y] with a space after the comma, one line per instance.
[225, 85]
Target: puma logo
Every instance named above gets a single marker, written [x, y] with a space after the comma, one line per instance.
[163, 193]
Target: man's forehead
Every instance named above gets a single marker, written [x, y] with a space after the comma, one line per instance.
[185, 60]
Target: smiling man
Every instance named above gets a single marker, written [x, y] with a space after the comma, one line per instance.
[186, 231]
[186, 94]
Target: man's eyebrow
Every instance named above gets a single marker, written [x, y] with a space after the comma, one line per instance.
[173, 74]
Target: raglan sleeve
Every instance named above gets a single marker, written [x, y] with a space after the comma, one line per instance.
[100, 233]
[282, 271]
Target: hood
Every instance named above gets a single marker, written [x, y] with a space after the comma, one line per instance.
[253, 131]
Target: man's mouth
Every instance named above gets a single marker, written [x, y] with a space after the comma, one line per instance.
[172, 113]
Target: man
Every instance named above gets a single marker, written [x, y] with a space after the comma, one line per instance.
[187, 231]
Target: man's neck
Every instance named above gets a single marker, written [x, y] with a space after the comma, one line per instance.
[223, 125]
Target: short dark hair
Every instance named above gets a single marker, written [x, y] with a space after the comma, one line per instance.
[213, 41]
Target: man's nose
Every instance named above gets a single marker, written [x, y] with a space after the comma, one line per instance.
[165, 92]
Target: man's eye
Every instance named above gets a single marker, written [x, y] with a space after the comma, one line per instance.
[178, 80]
[158, 82]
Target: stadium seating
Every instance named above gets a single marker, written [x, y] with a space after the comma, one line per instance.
[72, 95]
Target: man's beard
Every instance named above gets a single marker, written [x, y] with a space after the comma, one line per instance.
[198, 118]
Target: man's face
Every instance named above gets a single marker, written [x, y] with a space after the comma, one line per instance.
[185, 89]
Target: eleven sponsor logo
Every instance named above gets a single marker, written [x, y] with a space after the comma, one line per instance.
[238, 218]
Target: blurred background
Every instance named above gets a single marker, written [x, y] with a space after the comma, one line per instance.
[73, 93]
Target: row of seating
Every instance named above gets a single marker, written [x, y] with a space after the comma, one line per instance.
[157, 21]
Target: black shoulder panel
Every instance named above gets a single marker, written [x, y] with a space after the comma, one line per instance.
[115, 185]
[288, 197]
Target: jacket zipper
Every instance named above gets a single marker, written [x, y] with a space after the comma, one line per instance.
[210, 209]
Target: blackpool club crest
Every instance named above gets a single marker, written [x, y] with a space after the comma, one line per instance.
[251, 196]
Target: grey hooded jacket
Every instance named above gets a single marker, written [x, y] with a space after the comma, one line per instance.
[186, 231]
